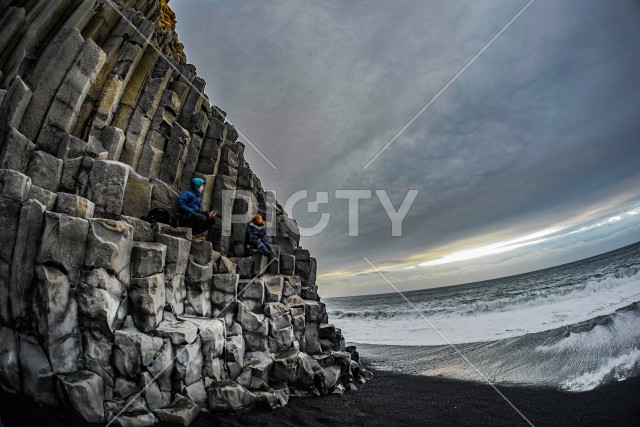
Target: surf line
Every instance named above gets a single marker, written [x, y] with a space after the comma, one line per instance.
[449, 342]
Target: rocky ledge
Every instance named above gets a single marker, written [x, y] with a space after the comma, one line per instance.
[117, 319]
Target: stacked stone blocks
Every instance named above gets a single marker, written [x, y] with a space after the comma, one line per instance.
[100, 311]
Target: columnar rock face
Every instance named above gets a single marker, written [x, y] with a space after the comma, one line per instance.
[101, 312]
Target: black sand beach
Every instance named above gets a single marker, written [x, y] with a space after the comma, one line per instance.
[398, 399]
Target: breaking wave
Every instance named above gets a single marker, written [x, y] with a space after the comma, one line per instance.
[574, 327]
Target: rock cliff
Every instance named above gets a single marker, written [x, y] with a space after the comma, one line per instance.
[115, 318]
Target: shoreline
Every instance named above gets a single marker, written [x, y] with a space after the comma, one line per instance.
[393, 398]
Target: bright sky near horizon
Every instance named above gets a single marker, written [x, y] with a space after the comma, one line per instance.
[528, 160]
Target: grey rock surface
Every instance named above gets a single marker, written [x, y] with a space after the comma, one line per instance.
[84, 392]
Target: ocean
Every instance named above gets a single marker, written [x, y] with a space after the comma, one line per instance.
[574, 327]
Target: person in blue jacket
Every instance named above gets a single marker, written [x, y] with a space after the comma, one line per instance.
[258, 237]
[190, 209]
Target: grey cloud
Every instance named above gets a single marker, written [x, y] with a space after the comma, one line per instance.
[547, 117]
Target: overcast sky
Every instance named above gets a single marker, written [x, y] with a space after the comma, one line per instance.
[538, 140]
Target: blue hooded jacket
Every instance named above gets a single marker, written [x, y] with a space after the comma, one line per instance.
[190, 202]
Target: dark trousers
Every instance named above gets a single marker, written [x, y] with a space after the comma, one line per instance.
[261, 245]
[198, 222]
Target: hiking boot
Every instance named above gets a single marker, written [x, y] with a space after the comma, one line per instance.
[198, 238]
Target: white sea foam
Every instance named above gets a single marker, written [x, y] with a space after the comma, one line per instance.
[615, 369]
[491, 319]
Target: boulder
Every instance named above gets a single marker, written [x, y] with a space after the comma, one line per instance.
[181, 232]
[212, 340]
[36, 373]
[136, 201]
[274, 310]
[309, 293]
[18, 95]
[93, 148]
[133, 350]
[56, 318]
[260, 365]
[291, 286]
[250, 322]
[24, 254]
[244, 378]
[235, 349]
[113, 141]
[16, 152]
[293, 301]
[178, 331]
[224, 289]
[234, 329]
[355, 356]
[71, 168]
[280, 322]
[198, 299]
[210, 150]
[125, 388]
[182, 411]
[251, 293]
[287, 264]
[132, 412]
[14, 185]
[200, 265]
[227, 266]
[175, 156]
[307, 371]
[46, 197]
[147, 259]
[281, 339]
[146, 301]
[109, 245]
[97, 349]
[106, 186]
[313, 311]
[76, 206]
[162, 369]
[72, 147]
[285, 367]
[142, 230]
[197, 393]
[153, 395]
[327, 332]
[256, 342]
[273, 286]
[245, 267]
[174, 270]
[282, 393]
[229, 396]
[45, 170]
[298, 324]
[9, 361]
[84, 392]
[101, 302]
[329, 379]
[198, 280]
[311, 338]
[163, 196]
[189, 362]
[260, 264]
